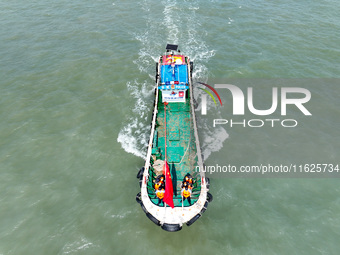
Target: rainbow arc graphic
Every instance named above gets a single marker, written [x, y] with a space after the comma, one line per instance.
[204, 98]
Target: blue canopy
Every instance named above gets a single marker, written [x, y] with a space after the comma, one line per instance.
[177, 73]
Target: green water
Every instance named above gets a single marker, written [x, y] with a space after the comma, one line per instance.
[76, 86]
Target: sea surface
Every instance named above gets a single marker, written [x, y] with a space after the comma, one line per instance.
[76, 94]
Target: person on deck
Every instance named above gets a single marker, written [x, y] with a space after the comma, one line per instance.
[159, 182]
[160, 195]
[188, 179]
[186, 193]
[160, 178]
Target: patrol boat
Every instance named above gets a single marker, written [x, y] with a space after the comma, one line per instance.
[174, 152]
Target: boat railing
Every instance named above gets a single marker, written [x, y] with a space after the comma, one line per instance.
[153, 124]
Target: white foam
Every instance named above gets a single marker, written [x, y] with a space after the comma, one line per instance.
[180, 25]
[77, 246]
[130, 142]
[133, 136]
[170, 16]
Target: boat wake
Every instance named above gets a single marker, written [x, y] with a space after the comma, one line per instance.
[176, 24]
[134, 135]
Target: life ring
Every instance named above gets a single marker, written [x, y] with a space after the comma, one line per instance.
[171, 227]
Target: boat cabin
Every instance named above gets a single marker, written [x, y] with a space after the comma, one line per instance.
[174, 81]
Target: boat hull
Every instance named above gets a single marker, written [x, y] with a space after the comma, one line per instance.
[174, 139]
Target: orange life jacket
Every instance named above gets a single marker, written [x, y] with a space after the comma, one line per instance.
[186, 193]
[160, 193]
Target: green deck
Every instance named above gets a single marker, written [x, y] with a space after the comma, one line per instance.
[181, 148]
